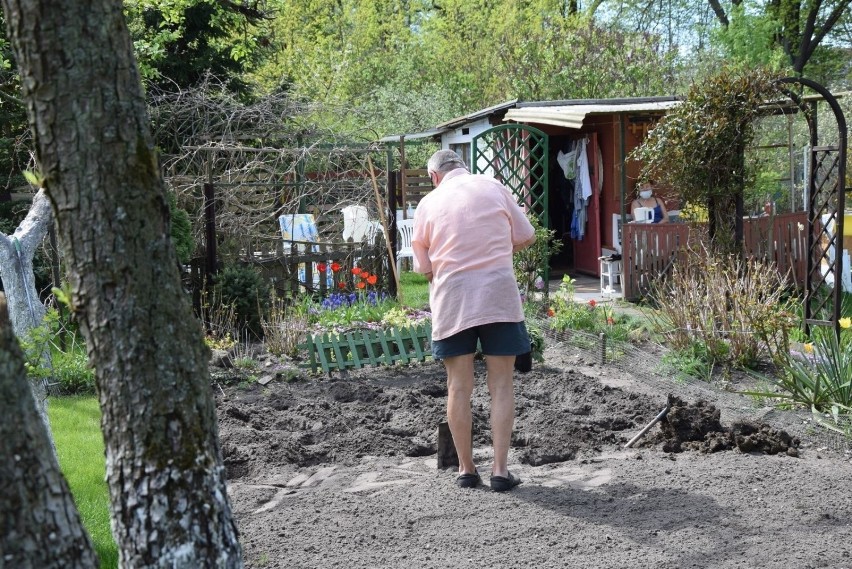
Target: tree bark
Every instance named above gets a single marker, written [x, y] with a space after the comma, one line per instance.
[41, 528]
[16, 270]
[87, 111]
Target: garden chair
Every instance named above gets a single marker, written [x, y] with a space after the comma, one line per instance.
[405, 231]
[355, 223]
[374, 228]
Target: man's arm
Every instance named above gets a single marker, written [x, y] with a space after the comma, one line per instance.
[524, 245]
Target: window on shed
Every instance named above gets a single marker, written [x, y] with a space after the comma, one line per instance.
[463, 150]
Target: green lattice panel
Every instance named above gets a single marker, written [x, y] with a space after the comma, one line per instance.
[360, 348]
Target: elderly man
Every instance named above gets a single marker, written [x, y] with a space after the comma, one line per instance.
[465, 232]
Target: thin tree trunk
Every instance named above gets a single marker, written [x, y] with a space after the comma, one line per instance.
[16, 271]
[41, 528]
[87, 112]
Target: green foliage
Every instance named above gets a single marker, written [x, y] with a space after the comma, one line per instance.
[348, 309]
[820, 376]
[242, 287]
[699, 147]
[14, 130]
[178, 42]
[75, 425]
[68, 367]
[529, 263]
[536, 341]
[181, 230]
[749, 40]
[565, 313]
[692, 360]
[734, 310]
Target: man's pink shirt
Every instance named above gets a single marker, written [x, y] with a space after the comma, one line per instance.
[464, 232]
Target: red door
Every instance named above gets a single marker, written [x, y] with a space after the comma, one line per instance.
[588, 250]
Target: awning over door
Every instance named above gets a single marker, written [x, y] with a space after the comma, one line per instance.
[572, 116]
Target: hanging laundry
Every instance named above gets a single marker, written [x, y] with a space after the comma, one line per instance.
[582, 191]
[568, 163]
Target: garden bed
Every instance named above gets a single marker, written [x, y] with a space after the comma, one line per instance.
[340, 470]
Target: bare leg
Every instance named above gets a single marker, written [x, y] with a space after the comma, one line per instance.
[459, 417]
[500, 375]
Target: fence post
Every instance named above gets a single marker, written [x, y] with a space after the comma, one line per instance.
[211, 267]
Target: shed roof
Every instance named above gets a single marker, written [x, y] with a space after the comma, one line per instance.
[482, 113]
[571, 114]
[431, 133]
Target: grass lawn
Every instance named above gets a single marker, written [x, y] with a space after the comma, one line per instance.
[415, 289]
[75, 422]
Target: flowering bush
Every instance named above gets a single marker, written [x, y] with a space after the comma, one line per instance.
[566, 313]
[353, 304]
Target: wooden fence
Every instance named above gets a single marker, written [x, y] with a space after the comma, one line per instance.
[315, 269]
[651, 250]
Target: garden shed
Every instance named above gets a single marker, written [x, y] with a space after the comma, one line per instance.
[526, 144]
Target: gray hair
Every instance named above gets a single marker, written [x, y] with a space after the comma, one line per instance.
[444, 161]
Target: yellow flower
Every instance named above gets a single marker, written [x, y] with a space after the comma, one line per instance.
[845, 322]
[809, 348]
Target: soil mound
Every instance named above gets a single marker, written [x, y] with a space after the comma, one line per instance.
[561, 415]
[698, 427]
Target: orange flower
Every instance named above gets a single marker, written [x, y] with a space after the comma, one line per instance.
[335, 266]
[610, 321]
[321, 267]
[365, 275]
[373, 279]
[356, 271]
[593, 303]
[550, 312]
[360, 285]
[341, 285]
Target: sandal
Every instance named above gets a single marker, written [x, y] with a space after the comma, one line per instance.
[469, 480]
[504, 483]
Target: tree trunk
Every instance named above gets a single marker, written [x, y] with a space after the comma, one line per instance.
[41, 528]
[87, 111]
[16, 270]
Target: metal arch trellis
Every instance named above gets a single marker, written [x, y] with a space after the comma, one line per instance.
[825, 205]
[517, 155]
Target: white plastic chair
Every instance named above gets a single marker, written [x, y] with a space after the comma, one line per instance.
[405, 232]
[373, 230]
[355, 222]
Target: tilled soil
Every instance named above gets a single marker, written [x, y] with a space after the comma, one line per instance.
[342, 471]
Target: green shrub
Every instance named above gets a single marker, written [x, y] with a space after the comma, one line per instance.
[68, 369]
[181, 231]
[529, 262]
[818, 377]
[735, 310]
[242, 287]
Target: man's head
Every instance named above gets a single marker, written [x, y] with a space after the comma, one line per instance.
[442, 162]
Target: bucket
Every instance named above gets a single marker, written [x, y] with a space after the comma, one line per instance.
[644, 215]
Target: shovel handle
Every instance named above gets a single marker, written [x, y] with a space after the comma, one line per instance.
[645, 429]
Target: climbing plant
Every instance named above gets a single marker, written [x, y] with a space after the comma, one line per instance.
[699, 147]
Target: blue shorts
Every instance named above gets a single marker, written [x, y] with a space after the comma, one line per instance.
[497, 339]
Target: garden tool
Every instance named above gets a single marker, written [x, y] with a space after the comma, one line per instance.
[656, 419]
